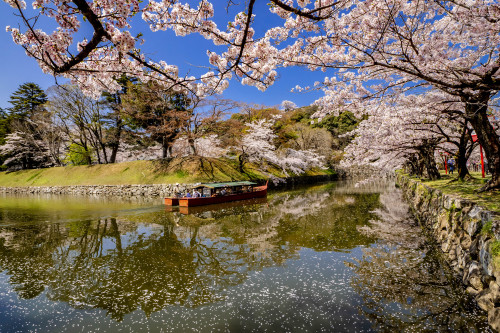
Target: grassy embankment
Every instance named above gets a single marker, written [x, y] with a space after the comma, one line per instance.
[178, 170]
[467, 189]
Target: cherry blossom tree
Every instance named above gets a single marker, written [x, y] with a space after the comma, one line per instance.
[287, 105]
[205, 146]
[257, 145]
[25, 152]
[410, 130]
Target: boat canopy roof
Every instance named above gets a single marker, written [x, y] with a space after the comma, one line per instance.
[228, 184]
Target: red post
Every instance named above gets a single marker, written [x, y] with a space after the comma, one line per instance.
[446, 166]
[474, 139]
[482, 161]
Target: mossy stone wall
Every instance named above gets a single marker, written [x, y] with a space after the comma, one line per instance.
[469, 236]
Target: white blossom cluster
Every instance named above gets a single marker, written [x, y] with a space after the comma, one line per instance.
[258, 144]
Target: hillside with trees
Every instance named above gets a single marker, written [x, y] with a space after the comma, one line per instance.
[63, 127]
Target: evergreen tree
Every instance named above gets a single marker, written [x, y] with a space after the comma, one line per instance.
[339, 125]
[26, 100]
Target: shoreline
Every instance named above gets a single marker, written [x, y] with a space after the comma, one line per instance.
[153, 190]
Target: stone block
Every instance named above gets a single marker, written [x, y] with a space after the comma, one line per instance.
[494, 318]
[485, 258]
[472, 225]
[471, 291]
[495, 228]
[472, 277]
[494, 291]
[462, 203]
[447, 243]
[475, 282]
[444, 220]
[448, 202]
[487, 279]
[465, 241]
[484, 300]
[442, 235]
[452, 254]
[478, 213]
[463, 258]
[496, 274]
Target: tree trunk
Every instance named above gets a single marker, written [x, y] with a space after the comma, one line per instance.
[169, 151]
[164, 152]
[114, 151]
[192, 148]
[88, 157]
[427, 157]
[166, 148]
[476, 112]
[98, 156]
[104, 153]
[116, 141]
[411, 166]
[462, 170]
[241, 161]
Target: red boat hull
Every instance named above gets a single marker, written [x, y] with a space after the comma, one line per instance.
[259, 192]
[171, 201]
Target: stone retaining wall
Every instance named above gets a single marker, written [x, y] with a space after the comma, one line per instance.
[150, 190]
[465, 232]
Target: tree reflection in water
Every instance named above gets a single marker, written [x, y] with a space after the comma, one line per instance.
[405, 284]
[153, 259]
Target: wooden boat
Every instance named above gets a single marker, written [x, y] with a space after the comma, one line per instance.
[214, 193]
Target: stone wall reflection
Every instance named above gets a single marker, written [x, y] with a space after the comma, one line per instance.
[405, 284]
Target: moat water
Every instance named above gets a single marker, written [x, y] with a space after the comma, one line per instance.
[333, 257]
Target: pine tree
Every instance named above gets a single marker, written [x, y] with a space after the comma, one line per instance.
[26, 100]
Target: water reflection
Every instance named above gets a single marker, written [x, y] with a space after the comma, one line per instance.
[405, 285]
[314, 253]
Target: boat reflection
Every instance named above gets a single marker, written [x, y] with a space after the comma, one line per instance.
[222, 207]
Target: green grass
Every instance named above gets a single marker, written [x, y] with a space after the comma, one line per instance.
[487, 229]
[495, 248]
[467, 189]
[178, 170]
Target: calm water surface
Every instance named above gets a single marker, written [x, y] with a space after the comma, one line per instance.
[326, 258]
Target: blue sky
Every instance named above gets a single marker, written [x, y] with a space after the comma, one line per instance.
[16, 68]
